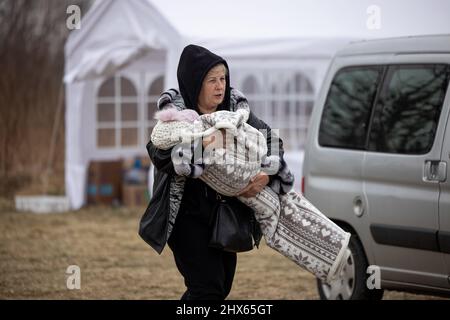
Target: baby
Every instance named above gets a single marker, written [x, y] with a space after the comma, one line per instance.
[229, 166]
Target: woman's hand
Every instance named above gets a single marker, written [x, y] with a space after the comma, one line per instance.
[255, 186]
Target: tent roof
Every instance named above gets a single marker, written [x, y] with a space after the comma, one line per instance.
[273, 48]
[110, 20]
[113, 34]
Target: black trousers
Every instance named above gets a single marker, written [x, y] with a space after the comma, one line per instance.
[208, 273]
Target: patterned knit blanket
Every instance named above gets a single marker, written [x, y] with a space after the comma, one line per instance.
[290, 223]
[299, 231]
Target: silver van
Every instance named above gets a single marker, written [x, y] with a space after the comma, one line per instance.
[376, 162]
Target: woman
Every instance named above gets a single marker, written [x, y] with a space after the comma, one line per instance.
[204, 83]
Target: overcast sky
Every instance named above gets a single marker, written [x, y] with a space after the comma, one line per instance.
[298, 18]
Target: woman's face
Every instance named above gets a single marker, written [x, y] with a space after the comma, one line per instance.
[213, 89]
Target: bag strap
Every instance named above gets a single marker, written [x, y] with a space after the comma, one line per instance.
[220, 199]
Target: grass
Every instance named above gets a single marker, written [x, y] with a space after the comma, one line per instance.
[35, 251]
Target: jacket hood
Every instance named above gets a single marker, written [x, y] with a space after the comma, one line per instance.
[195, 62]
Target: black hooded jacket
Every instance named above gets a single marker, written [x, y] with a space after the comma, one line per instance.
[195, 63]
[154, 228]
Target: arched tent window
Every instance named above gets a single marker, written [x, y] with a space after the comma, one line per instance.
[291, 100]
[284, 99]
[250, 85]
[303, 107]
[297, 109]
[154, 91]
[117, 114]
[274, 94]
[252, 90]
[306, 100]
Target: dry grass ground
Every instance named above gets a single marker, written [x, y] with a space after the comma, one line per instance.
[35, 251]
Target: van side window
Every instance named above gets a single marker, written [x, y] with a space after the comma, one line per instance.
[408, 110]
[348, 107]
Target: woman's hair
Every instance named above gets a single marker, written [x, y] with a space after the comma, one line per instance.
[218, 65]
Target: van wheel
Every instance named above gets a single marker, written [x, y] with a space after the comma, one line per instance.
[351, 285]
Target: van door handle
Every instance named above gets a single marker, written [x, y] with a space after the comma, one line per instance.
[435, 171]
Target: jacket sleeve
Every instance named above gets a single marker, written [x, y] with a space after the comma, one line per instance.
[281, 180]
[161, 159]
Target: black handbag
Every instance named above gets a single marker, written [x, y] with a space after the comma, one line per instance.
[232, 230]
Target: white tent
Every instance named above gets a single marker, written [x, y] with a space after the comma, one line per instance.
[126, 53]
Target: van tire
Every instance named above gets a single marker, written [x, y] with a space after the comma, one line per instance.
[359, 289]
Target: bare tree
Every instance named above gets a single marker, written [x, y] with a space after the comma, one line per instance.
[32, 38]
